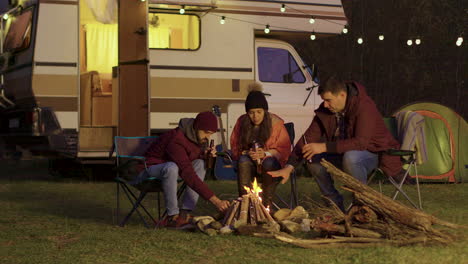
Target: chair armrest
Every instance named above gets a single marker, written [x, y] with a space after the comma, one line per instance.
[400, 152]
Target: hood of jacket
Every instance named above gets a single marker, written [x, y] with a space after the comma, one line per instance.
[186, 126]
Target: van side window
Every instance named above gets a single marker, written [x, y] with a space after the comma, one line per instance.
[18, 35]
[278, 66]
[174, 31]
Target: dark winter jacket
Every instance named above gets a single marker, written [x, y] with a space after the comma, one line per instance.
[365, 130]
[180, 145]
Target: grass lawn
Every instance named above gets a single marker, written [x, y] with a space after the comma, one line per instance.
[50, 220]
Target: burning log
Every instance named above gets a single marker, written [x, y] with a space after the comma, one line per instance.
[248, 210]
[244, 209]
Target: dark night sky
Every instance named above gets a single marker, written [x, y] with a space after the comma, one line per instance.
[3, 5]
[394, 73]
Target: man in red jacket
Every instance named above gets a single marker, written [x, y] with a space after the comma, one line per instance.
[179, 153]
[348, 131]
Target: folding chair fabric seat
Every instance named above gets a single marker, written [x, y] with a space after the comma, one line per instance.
[130, 153]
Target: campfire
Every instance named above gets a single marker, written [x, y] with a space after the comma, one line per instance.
[374, 220]
[248, 209]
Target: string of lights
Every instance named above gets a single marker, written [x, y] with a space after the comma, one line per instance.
[360, 40]
[283, 9]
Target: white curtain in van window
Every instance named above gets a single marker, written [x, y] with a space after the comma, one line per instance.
[101, 47]
[104, 11]
[159, 37]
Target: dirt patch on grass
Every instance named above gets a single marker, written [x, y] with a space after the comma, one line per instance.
[63, 240]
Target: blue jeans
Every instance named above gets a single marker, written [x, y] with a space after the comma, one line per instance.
[357, 163]
[168, 173]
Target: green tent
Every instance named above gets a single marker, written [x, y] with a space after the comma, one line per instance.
[446, 142]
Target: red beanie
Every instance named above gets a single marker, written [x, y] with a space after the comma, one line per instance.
[206, 121]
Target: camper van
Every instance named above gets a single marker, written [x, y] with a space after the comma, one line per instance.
[59, 66]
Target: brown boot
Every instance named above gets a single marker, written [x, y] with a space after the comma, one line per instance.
[244, 177]
[269, 187]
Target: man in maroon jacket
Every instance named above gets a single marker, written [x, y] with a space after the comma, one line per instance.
[178, 153]
[348, 131]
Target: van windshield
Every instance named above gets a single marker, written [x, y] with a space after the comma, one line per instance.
[278, 66]
[18, 34]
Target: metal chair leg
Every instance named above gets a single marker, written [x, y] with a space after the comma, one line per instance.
[417, 186]
[136, 204]
[398, 187]
[117, 216]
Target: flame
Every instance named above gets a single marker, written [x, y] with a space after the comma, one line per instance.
[255, 188]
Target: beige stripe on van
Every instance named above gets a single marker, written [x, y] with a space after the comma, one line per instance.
[55, 85]
[60, 104]
[162, 105]
[199, 88]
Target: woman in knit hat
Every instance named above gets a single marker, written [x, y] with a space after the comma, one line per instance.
[272, 144]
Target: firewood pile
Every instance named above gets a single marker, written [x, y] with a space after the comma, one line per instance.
[374, 219]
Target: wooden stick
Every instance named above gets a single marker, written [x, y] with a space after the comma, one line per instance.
[228, 213]
[252, 218]
[233, 212]
[354, 231]
[244, 209]
[258, 211]
[266, 213]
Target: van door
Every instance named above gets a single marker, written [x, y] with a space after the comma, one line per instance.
[281, 72]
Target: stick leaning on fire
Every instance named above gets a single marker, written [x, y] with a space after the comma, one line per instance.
[248, 209]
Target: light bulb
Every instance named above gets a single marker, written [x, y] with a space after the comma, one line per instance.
[6, 16]
[381, 37]
[459, 43]
[360, 41]
[345, 30]
[312, 20]
[409, 42]
[312, 36]
[182, 10]
[283, 8]
[417, 41]
[460, 39]
[223, 20]
[267, 29]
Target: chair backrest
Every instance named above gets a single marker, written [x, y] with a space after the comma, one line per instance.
[132, 146]
[290, 128]
[391, 124]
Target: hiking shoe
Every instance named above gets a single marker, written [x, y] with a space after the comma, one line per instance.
[175, 222]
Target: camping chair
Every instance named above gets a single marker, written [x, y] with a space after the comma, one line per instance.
[293, 199]
[408, 158]
[129, 154]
